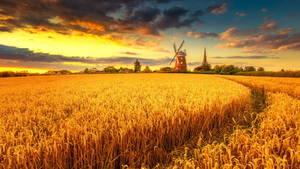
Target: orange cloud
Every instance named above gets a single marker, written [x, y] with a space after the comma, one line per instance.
[229, 34]
[89, 25]
[217, 9]
[240, 14]
[202, 35]
[269, 27]
[5, 17]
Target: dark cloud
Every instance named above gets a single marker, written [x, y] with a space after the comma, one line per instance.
[202, 35]
[177, 17]
[46, 65]
[245, 57]
[217, 9]
[261, 40]
[5, 29]
[94, 16]
[194, 63]
[145, 14]
[198, 13]
[26, 55]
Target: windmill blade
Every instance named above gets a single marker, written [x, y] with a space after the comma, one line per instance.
[174, 46]
[181, 45]
[173, 58]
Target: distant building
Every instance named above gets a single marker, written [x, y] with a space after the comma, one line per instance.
[204, 62]
[137, 66]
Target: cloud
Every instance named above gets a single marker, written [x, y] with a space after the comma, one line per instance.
[264, 10]
[26, 55]
[233, 33]
[5, 29]
[260, 40]
[202, 35]
[177, 17]
[100, 18]
[129, 53]
[268, 18]
[245, 57]
[194, 63]
[217, 9]
[285, 31]
[130, 60]
[145, 14]
[240, 14]
[269, 27]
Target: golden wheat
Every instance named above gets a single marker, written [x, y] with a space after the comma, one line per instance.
[109, 121]
[274, 144]
[291, 86]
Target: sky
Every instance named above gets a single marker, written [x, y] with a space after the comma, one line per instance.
[42, 35]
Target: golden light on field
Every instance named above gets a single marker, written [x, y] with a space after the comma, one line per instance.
[91, 120]
[286, 85]
[137, 120]
[274, 144]
[271, 143]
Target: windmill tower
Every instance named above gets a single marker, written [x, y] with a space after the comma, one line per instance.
[180, 64]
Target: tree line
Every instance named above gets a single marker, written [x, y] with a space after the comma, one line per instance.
[203, 69]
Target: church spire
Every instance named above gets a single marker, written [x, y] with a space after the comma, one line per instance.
[204, 58]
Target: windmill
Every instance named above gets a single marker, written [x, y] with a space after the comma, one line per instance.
[180, 64]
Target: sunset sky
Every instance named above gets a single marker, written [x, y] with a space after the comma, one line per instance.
[38, 35]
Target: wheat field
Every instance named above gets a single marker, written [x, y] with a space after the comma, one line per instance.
[271, 141]
[274, 144]
[290, 86]
[109, 121]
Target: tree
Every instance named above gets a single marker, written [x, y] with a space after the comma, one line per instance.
[125, 70]
[64, 72]
[137, 66]
[165, 69]
[205, 67]
[261, 69]
[250, 69]
[147, 69]
[230, 69]
[7, 74]
[86, 70]
[218, 68]
[110, 69]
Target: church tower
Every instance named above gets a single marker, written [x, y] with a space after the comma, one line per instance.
[204, 58]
